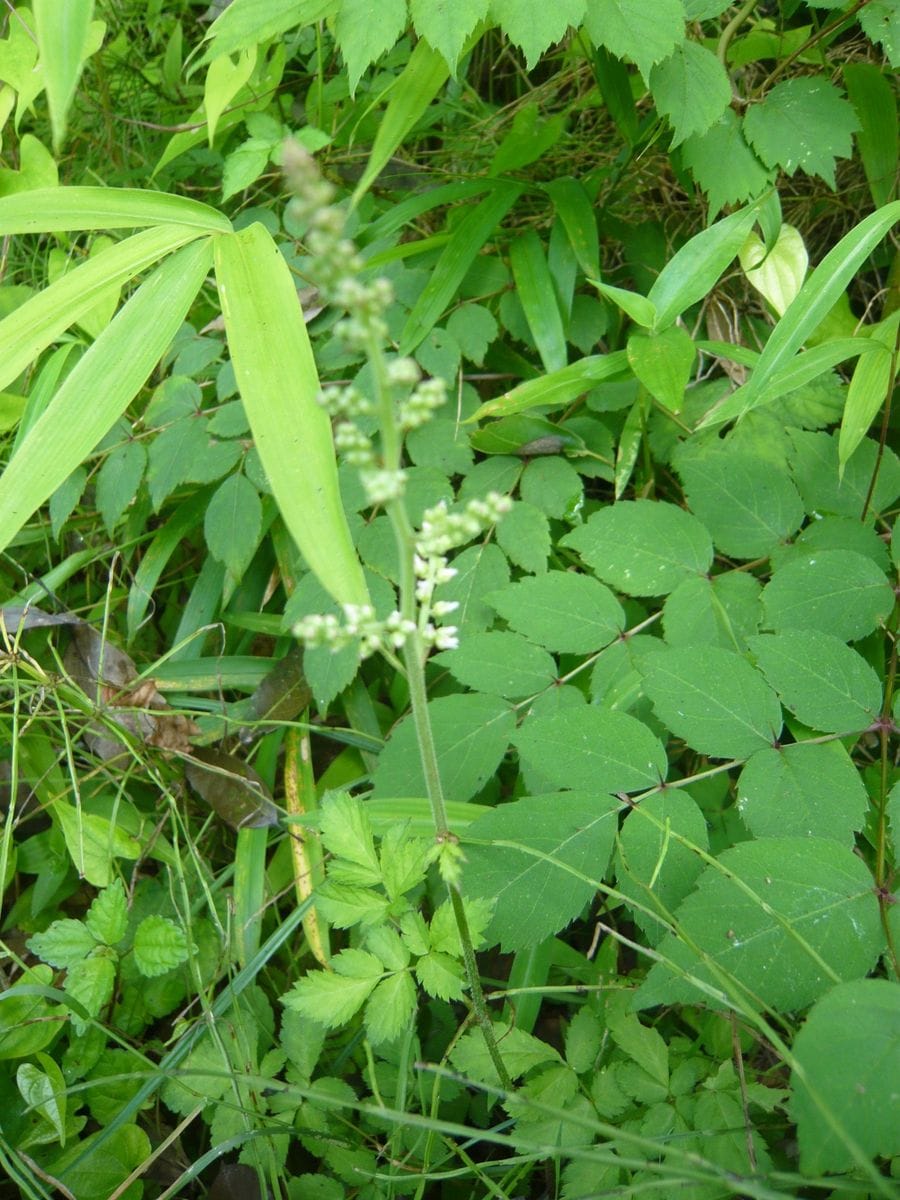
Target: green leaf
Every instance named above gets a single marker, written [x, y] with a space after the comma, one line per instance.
[724, 142]
[691, 88]
[441, 976]
[233, 523]
[391, 1009]
[93, 1171]
[536, 27]
[786, 918]
[118, 481]
[159, 945]
[777, 272]
[663, 362]
[345, 904]
[803, 122]
[244, 165]
[474, 328]
[172, 456]
[873, 99]
[643, 547]
[471, 734]
[279, 390]
[868, 387]
[501, 664]
[107, 917]
[63, 37]
[638, 307]
[66, 209]
[446, 24]
[557, 389]
[880, 21]
[713, 699]
[366, 29]
[249, 22]
[480, 570]
[519, 1050]
[468, 237]
[847, 1054]
[823, 682]
[64, 500]
[528, 138]
[643, 1046]
[592, 747]
[651, 865]
[722, 611]
[347, 833]
[552, 485]
[631, 29]
[802, 791]
[224, 79]
[63, 943]
[747, 507]
[561, 611]
[332, 998]
[524, 537]
[537, 898]
[45, 1092]
[93, 841]
[574, 208]
[536, 293]
[834, 591]
[100, 386]
[90, 982]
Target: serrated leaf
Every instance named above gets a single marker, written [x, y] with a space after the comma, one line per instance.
[233, 523]
[536, 27]
[474, 328]
[785, 918]
[366, 29]
[631, 29]
[118, 481]
[501, 664]
[347, 833]
[642, 1045]
[446, 24]
[346, 904]
[63, 943]
[880, 21]
[834, 591]
[552, 485]
[444, 932]
[471, 734]
[524, 537]
[159, 945]
[535, 898]
[643, 547]
[724, 142]
[564, 612]
[691, 88]
[846, 1053]
[519, 1050]
[746, 506]
[404, 860]
[714, 699]
[441, 976]
[592, 747]
[805, 123]
[722, 611]
[91, 982]
[172, 455]
[822, 681]
[107, 918]
[480, 570]
[332, 998]
[651, 863]
[391, 1008]
[815, 467]
[802, 791]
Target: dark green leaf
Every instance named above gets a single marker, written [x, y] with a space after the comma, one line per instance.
[118, 481]
[723, 142]
[535, 28]
[592, 747]
[364, 30]
[631, 29]
[722, 611]
[833, 591]
[479, 571]
[446, 24]
[803, 122]
[524, 536]
[691, 88]
[562, 611]
[233, 523]
[502, 664]
[815, 467]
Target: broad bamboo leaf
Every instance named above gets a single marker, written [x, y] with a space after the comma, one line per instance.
[50, 210]
[556, 389]
[101, 386]
[868, 388]
[276, 374]
[40, 320]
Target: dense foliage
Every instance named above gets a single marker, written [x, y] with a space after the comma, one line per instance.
[449, 599]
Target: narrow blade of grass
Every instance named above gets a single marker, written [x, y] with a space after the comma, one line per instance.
[553, 391]
[537, 295]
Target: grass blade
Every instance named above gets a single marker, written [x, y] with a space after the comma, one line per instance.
[553, 391]
[574, 209]
[279, 385]
[537, 294]
[101, 386]
[66, 209]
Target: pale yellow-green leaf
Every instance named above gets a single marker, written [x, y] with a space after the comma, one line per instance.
[37, 169]
[62, 32]
[224, 80]
[49, 210]
[93, 842]
[868, 388]
[279, 385]
[777, 276]
[101, 386]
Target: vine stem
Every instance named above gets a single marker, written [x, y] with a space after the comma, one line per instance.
[414, 655]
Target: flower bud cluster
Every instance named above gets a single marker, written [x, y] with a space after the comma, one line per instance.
[352, 443]
[359, 623]
[430, 573]
[381, 486]
[347, 402]
[442, 530]
[418, 406]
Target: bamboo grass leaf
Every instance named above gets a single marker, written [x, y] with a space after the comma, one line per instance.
[52, 210]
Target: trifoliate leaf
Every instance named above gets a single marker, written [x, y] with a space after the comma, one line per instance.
[784, 918]
[334, 997]
[536, 27]
[834, 591]
[722, 611]
[651, 864]
[446, 24]
[471, 734]
[643, 547]
[633, 30]
[501, 664]
[159, 945]
[519, 1050]
[391, 1008]
[107, 918]
[569, 613]
[592, 747]
[723, 142]
[805, 123]
[802, 791]
[746, 506]
[691, 88]
[534, 897]
[714, 699]
[347, 833]
[822, 681]
[364, 30]
[847, 1053]
[524, 537]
